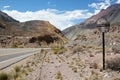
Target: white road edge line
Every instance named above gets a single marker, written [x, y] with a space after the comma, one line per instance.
[9, 62]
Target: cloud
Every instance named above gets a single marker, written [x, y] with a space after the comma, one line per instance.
[118, 1]
[61, 19]
[5, 7]
[50, 4]
[100, 5]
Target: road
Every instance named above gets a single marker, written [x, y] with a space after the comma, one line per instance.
[12, 55]
[9, 51]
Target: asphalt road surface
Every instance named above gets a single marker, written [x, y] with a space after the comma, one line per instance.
[6, 57]
[11, 55]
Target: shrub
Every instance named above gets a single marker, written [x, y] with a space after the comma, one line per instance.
[32, 40]
[59, 50]
[113, 64]
[3, 76]
[74, 69]
[16, 72]
[17, 68]
[116, 48]
[14, 45]
[78, 49]
[91, 55]
[15, 75]
[95, 76]
[59, 76]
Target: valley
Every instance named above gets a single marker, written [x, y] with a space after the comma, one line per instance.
[72, 54]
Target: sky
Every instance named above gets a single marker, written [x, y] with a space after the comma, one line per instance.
[61, 13]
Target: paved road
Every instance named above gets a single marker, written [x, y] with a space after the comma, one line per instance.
[9, 51]
[11, 56]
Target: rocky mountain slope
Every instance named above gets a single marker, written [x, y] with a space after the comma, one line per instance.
[28, 34]
[6, 18]
[111, 14]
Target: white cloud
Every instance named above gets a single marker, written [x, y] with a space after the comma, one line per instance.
[100, 5]
[61, 19]
[50, 4]
[5, 7]
[118, 1]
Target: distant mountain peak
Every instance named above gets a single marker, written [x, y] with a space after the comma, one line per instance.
[111, 14]
[7, 18]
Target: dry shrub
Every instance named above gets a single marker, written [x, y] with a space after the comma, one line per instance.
[16, 73]
[95, 76]
[91, 55]
[17, 68]
[59, 76]
[14, 45]
[78, 49]
[60, 50]
[3, 76]
[113, 64]
[94, 65]
[116, 48]
[74, 69]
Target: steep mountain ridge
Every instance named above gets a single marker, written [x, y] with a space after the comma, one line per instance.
[111, 14]
[6, 18]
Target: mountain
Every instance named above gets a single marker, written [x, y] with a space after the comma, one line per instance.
[33, 33]
[6, 18]
[8, 25]
[111, 14]
[42, 31]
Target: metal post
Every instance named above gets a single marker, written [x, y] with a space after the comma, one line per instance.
[103, 41]
[103, 24]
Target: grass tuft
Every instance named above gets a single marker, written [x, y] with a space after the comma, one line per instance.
[59, 76]
[4, 76]
[59, 50]
[17, 68]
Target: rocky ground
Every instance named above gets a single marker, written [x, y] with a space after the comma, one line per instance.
[74, 63]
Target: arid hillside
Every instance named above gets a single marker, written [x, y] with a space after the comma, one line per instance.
[28, 34]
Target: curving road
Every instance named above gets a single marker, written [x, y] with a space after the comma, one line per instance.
[12, 55]
[7, 57]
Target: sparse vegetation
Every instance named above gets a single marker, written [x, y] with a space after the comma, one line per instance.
[74, 69]
[19, 71]
[14, 45]
[16, 72]
[61, 58]
[95, 66]
[91, 55]
[116, 49]
[17, 68]
[47, 59]
[95, 76]
[77, 49]
[113, 64]
[81, 37]
[59, 50]
[12, 75]
[59, 76]
[4, 76]
[72, 66]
